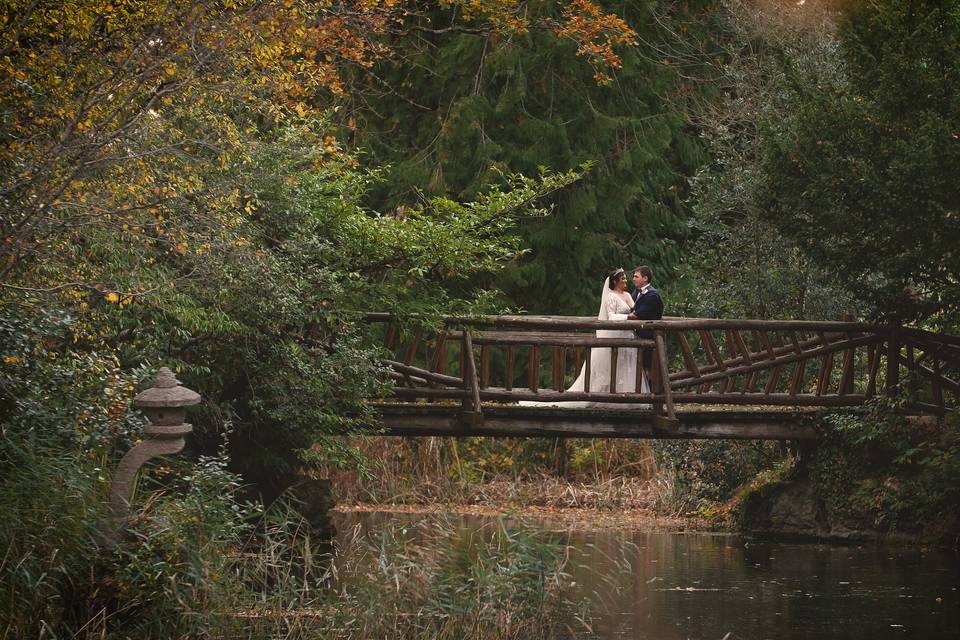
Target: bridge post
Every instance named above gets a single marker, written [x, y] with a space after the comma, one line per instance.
[893, 362]
[668, 422]
[474, 416]
[656, 386]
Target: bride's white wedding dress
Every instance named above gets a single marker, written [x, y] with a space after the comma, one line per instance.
[612, 307]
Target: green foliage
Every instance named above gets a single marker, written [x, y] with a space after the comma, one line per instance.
[58, 385]
[172, 194]
[695, 475]
[888, 471]
[269, 309]
[833, 149]
[737, 262]
[461, 108]
[166, 577]
[64, 412]
[174, 564]
[52, 504]
[859, 157]
[192, 564]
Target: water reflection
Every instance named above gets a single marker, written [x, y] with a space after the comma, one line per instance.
[674, 586]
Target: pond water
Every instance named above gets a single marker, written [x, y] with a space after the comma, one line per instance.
[668, 586]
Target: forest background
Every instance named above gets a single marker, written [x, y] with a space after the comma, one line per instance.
[226, 187]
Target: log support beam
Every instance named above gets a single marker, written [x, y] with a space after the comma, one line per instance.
[537, 422]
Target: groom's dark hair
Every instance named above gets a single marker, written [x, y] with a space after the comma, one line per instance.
[645, 271]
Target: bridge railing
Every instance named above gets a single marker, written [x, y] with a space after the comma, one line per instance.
[689, 361]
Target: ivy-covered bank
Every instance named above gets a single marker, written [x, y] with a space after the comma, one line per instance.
[875, 474]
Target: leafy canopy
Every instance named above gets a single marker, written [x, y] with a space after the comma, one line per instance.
[171, 192]
[861, 154]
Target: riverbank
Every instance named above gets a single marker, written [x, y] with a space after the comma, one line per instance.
[569, 518]
[873, 475]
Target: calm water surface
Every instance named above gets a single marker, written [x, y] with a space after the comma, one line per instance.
[675, 586]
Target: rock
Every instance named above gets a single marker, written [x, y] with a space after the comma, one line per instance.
[794, 508]
[787, 508]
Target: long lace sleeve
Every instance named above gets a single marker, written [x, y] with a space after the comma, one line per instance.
[616, 308]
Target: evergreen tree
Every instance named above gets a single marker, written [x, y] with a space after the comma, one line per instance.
[456, 109]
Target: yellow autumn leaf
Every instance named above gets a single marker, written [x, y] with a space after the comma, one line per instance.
[113, 297]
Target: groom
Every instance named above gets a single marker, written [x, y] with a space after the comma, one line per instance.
[647, 305]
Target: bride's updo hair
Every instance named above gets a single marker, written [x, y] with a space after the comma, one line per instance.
[616, 276]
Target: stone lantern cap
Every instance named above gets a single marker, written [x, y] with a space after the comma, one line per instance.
[166, 392]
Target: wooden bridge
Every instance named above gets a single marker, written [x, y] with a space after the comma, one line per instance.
[708, 378]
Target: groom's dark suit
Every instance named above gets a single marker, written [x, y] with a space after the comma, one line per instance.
[647, 306]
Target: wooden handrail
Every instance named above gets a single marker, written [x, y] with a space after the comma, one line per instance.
[551, 323]
[715, 361]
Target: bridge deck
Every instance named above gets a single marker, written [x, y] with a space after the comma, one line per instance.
[405, 419]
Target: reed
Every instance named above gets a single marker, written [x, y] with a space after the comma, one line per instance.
[194, 562]
[594, 474]
[432, 579]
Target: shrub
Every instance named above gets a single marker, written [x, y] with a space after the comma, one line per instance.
[695, 473]
[890, 471]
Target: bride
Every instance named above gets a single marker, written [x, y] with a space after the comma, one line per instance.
[615, 304]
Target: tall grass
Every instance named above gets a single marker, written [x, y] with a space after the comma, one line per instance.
[167, 576]
[48, 538]
[425, 579]
[597, 474]
[195, 563]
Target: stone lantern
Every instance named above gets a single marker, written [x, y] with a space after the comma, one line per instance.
[165, 407]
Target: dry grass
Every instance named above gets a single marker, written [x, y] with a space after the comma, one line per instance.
[604, 475]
